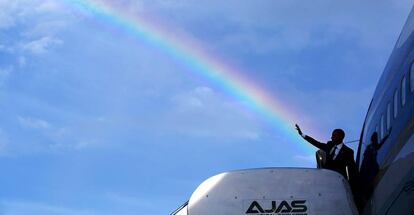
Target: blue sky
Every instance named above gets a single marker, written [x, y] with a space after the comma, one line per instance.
[95, 121]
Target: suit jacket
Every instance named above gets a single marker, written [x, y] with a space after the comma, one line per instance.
[344, 159]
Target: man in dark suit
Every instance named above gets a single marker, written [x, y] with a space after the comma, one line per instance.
[339, 157]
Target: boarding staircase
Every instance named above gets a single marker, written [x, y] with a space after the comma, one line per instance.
[272, 191]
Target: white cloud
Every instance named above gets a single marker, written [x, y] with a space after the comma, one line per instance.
[82, 144]
[42, 45]
[8, 11]
[6, 49]
[30, 122]
[202, 113]
[49, 6]
[55, 138]
[189, 102]
[14, 12]
[21, 60]
[203, 91]
[196, 98]
[50, 27]
[73, 138]
[35, 24]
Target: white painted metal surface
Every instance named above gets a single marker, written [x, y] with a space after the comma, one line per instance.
[273, 191]
[182, 211]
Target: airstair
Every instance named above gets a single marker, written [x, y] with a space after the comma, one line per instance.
[272, 191]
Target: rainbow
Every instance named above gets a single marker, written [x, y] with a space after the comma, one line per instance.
[191, 54]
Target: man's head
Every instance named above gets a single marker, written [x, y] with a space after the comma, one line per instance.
[338, 136]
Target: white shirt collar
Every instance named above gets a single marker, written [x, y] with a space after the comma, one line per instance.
[337, 149]
[339, 146]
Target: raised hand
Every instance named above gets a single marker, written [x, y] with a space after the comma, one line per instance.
[298, 128]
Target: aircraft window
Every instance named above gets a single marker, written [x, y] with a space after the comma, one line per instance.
[395, 104]
[382, 126]
[412, 77]
[403, 90]
[388, 116]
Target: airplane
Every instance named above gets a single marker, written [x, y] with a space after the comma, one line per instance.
[386, 170]
[385, 159]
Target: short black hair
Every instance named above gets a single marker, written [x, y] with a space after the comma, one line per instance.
[340, 132]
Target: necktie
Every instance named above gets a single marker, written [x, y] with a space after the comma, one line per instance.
[333, 150]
